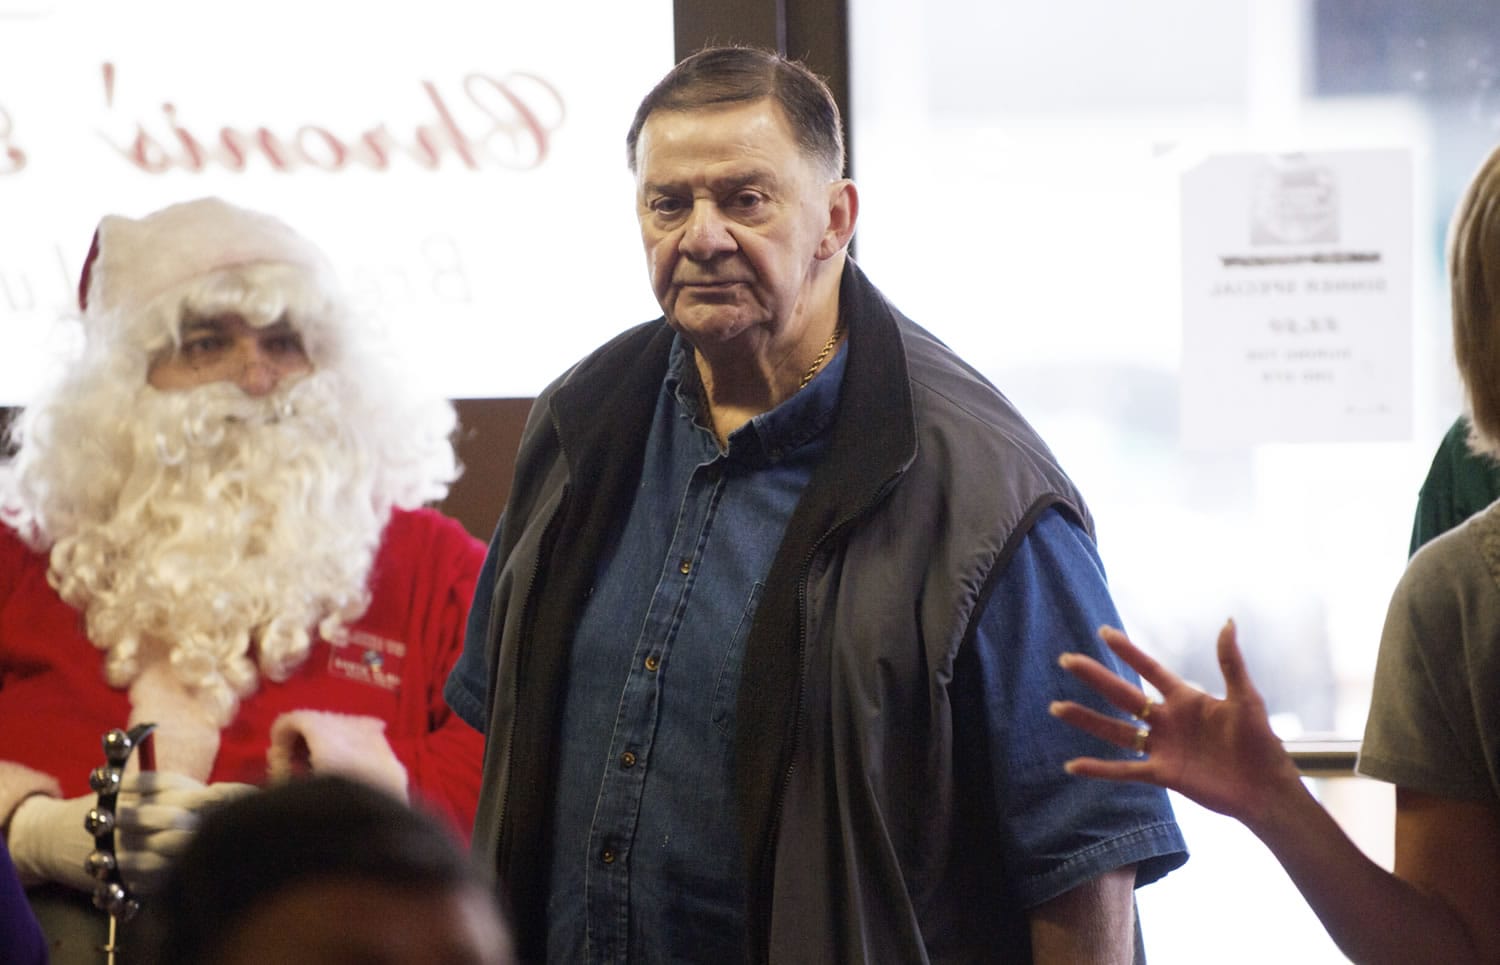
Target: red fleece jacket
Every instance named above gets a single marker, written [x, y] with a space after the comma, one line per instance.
[55, 705]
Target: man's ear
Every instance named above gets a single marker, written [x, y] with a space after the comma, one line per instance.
[843, 212]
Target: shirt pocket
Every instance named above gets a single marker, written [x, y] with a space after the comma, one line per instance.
[727, 684]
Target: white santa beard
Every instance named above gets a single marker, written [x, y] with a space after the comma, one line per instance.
[241, 525]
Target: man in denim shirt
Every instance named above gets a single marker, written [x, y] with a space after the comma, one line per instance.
[766, 637]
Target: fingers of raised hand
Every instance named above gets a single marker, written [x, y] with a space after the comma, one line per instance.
[1117, 769]
[1119, 692]
[1237, 681]
[1140, 661]
[1121, 733]
[1103, 681]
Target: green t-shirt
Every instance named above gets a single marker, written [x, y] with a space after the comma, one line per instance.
[1459, 484]
[1434, 722]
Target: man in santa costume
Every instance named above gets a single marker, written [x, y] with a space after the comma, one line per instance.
[213, 522]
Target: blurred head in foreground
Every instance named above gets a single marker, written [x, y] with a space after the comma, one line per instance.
[326, 870]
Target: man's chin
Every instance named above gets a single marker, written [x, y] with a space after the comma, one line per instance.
[708, 326]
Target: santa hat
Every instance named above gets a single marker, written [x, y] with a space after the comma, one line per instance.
[133, 262]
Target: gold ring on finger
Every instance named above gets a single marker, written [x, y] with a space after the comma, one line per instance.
[1142, 735]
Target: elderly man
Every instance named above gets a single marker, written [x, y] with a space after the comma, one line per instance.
[767, 634]
[214, 524]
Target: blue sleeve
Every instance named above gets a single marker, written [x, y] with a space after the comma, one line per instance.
[467, 689]
[21, 937]
[1055, 831]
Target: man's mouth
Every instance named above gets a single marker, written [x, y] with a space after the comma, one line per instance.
[710, 283]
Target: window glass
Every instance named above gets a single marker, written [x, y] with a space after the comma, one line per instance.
[463, 164]
[1021, 168]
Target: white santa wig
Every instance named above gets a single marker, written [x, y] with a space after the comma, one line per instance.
[112, 477]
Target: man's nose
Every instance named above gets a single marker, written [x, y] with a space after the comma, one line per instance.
[706, 233]
[258, 372]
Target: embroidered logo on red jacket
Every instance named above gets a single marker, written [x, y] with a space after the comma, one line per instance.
[368, 659]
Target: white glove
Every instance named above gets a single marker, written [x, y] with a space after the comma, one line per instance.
[156, 814]
[48, 841]
[326, 742]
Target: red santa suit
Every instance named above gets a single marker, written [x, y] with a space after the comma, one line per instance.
[373, 705]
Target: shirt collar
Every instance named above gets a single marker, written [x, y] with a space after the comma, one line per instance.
[768, 438]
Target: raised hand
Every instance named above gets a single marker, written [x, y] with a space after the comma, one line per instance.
[1221, 753]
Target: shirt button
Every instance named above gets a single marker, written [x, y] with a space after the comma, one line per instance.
[607, 856]
[685, 567]
[652, 663]
[627, 759]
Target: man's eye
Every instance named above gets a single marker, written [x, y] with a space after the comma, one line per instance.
[745, 200]
[203, 347]
[285, 345]
[667, 206]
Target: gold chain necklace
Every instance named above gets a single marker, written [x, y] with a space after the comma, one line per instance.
[838, 332]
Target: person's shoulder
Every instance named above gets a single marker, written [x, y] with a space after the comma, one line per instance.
[1455, 456]
[14, 548]
[623, 360]
[940, 379]
[1463, 558]
[9, 537]
[945, 381]
[20, 562]
[430, 531]
[1456, 439]
[950, 397]
[622, 349]
[953, 397]
[931, 360]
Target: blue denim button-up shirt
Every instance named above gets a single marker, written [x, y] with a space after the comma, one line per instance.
[646, 850]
